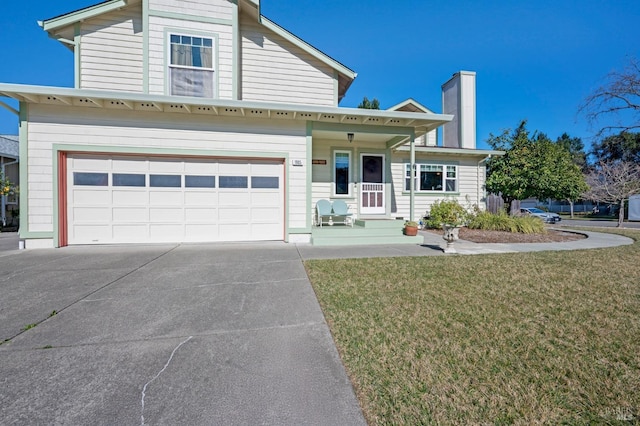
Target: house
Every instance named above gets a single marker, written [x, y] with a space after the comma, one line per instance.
[9, 168]
[202, 120]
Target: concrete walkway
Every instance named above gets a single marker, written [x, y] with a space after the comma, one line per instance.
[433, 245]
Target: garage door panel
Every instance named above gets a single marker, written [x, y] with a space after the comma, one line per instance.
[200, 167]
[130, 197]
[165, 198]
[266, 199]
[129, 165]
[201, 215]
[130, 215]
[83, 215]
[266, 215]
[265, 233]
[91, 197]
[233, 215]
[153, 199]
[235, 232]
[87, 234]
[166, 233]
[130, 233]
[166, 215]
[90, 164]
[175, 166]
[200, 198]
[201, 232]
[229, 198]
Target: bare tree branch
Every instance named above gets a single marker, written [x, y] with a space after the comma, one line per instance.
[619, 95]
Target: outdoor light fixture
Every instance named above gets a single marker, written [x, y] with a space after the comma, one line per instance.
[350, 137]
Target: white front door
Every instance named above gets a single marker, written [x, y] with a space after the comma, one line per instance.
[372, 197]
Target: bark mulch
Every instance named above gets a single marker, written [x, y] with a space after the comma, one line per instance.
[482, 236]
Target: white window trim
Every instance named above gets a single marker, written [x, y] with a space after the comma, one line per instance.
[214, 62]
[416, 177]
[349, 193]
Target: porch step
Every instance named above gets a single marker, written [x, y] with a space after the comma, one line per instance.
[379, 233]
[380, 223]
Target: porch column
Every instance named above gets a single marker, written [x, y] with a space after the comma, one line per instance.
[412, 181]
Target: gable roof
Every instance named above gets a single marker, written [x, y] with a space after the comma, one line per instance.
[345, 74]
[410, 105]
[79, 15]
[9, 146]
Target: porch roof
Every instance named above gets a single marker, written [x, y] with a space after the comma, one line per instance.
[453, 151]
[419, 122]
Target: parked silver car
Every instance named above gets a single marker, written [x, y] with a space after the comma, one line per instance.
[547, 217]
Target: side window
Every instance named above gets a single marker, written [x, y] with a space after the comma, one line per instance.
[191, 70]
[342, 172]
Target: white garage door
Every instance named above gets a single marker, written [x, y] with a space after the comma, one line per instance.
[137, 200]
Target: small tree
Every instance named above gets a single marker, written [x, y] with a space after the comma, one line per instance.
[367, 104]
[614, 182]
[6, 187]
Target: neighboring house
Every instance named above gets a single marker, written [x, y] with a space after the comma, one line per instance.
[9, 166]
[202, 120]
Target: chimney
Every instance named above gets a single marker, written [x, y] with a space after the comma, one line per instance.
[459, 100]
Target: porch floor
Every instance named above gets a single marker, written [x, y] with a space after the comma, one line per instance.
[363, 232]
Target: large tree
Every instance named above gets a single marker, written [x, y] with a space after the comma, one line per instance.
[533, 166]
[367, 104]
[614, 182]
[575, 146]
[624, 146]
[615, 106]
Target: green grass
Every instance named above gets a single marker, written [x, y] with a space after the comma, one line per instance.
[546, 337]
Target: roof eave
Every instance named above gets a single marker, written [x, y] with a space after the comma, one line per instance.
[455, 151]
[71, 18]
[63, 96]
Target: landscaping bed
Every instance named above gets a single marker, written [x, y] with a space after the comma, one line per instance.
[485, 236]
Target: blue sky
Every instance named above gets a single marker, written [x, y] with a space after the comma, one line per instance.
[534, 60]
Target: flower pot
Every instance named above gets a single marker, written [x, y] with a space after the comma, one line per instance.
[411, 231]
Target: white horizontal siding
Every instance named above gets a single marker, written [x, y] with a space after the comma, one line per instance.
[158, 52]
[111, 51]
[467, 183]
[220, 9]
[274, 70]
[89, 126]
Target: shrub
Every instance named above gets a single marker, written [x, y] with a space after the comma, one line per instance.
[449, 212]
[503, 222]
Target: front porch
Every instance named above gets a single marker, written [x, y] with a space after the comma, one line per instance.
[363, 232]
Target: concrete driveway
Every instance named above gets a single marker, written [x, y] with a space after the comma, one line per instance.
[165, 334]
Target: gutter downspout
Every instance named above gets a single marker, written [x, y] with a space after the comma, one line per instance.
[488, 157]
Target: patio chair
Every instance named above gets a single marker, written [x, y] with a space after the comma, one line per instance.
[341, 209]
[323, 210]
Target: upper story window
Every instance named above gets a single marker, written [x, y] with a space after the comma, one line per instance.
[191, 71]
[433, 177]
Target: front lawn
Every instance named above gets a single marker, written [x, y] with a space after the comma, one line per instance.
[546, 337]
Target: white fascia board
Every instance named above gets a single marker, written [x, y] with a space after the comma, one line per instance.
[82, 14]
[323, 57]
[454, 151]
[412, 102]
[422, 121]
